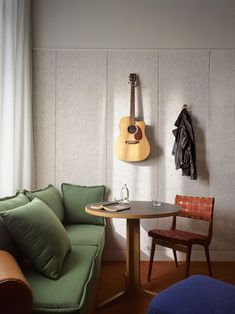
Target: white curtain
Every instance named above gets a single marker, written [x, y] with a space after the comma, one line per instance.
[16, 149]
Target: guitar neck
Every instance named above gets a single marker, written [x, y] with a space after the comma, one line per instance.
[132, 105]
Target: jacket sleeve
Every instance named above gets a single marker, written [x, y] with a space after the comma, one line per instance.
[184, 146]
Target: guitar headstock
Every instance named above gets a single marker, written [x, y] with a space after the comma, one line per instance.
[132, 79]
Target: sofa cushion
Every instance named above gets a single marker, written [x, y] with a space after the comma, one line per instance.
[76, 197]
[14, 201]
[50, 196]
[6, 241]
[85, 234]
[40, 235]
[71, 293]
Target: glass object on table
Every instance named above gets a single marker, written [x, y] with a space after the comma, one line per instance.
[124, 195]
[156, 202]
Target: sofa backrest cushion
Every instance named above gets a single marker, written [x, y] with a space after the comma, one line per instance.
[40, 235]
[76, 197]
[14, 201]
[7, 203]
[50, 196]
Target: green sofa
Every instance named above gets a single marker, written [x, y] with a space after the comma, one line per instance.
[73, 289]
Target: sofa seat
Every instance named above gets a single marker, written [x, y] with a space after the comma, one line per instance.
[75, 285]
[74, 289]
[85, 234]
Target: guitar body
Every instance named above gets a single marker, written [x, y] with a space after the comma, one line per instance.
[132, 144]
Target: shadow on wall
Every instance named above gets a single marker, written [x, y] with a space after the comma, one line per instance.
[115, 246]
[223, 242]
[116, 229]
[203, 175]
[115, 241]
[202, 166]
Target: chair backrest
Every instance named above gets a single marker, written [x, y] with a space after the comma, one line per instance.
[196, 207]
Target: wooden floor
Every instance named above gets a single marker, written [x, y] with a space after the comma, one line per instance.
[164, 274]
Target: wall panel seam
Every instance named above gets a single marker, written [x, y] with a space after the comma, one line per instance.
[158, 122]
[106, 120]
[209, 119]
[133, 49]
[35, 126]
[55, 113]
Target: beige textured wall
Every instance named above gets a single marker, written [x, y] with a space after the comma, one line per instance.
[83, 53]
[79, 97]
[161, 24]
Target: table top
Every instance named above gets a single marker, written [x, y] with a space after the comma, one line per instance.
[138, 210]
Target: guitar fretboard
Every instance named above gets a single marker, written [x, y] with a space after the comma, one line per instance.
[132, 104]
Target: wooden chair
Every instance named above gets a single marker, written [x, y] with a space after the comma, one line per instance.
[192, 207]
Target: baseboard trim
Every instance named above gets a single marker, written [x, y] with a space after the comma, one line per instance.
[166, 255]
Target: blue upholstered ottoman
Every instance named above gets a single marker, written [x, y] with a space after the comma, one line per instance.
[195, 295]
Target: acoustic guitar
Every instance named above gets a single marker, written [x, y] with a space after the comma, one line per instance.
[132, 144]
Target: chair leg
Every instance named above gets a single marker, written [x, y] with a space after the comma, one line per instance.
[151, 259]
[208, 259]
[175, 257]
[188, 257]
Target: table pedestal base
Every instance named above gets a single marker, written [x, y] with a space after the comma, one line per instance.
[123, 295]
[133, 285]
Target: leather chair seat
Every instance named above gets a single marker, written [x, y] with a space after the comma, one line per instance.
[177, 236]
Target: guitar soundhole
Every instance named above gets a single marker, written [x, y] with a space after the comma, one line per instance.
[132, 129]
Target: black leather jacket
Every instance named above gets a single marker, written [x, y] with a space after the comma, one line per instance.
[184, 147]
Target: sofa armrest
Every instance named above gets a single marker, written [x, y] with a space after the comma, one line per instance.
[15, 292]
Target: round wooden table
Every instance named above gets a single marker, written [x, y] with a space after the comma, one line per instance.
[139, 210]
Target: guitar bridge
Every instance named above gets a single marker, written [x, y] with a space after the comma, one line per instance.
[131, 142]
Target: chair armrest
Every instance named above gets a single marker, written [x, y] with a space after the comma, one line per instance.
[15, 292]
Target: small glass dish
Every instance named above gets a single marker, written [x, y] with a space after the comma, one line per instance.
[156, 202]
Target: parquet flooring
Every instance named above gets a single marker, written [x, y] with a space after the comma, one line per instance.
[164, 274]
